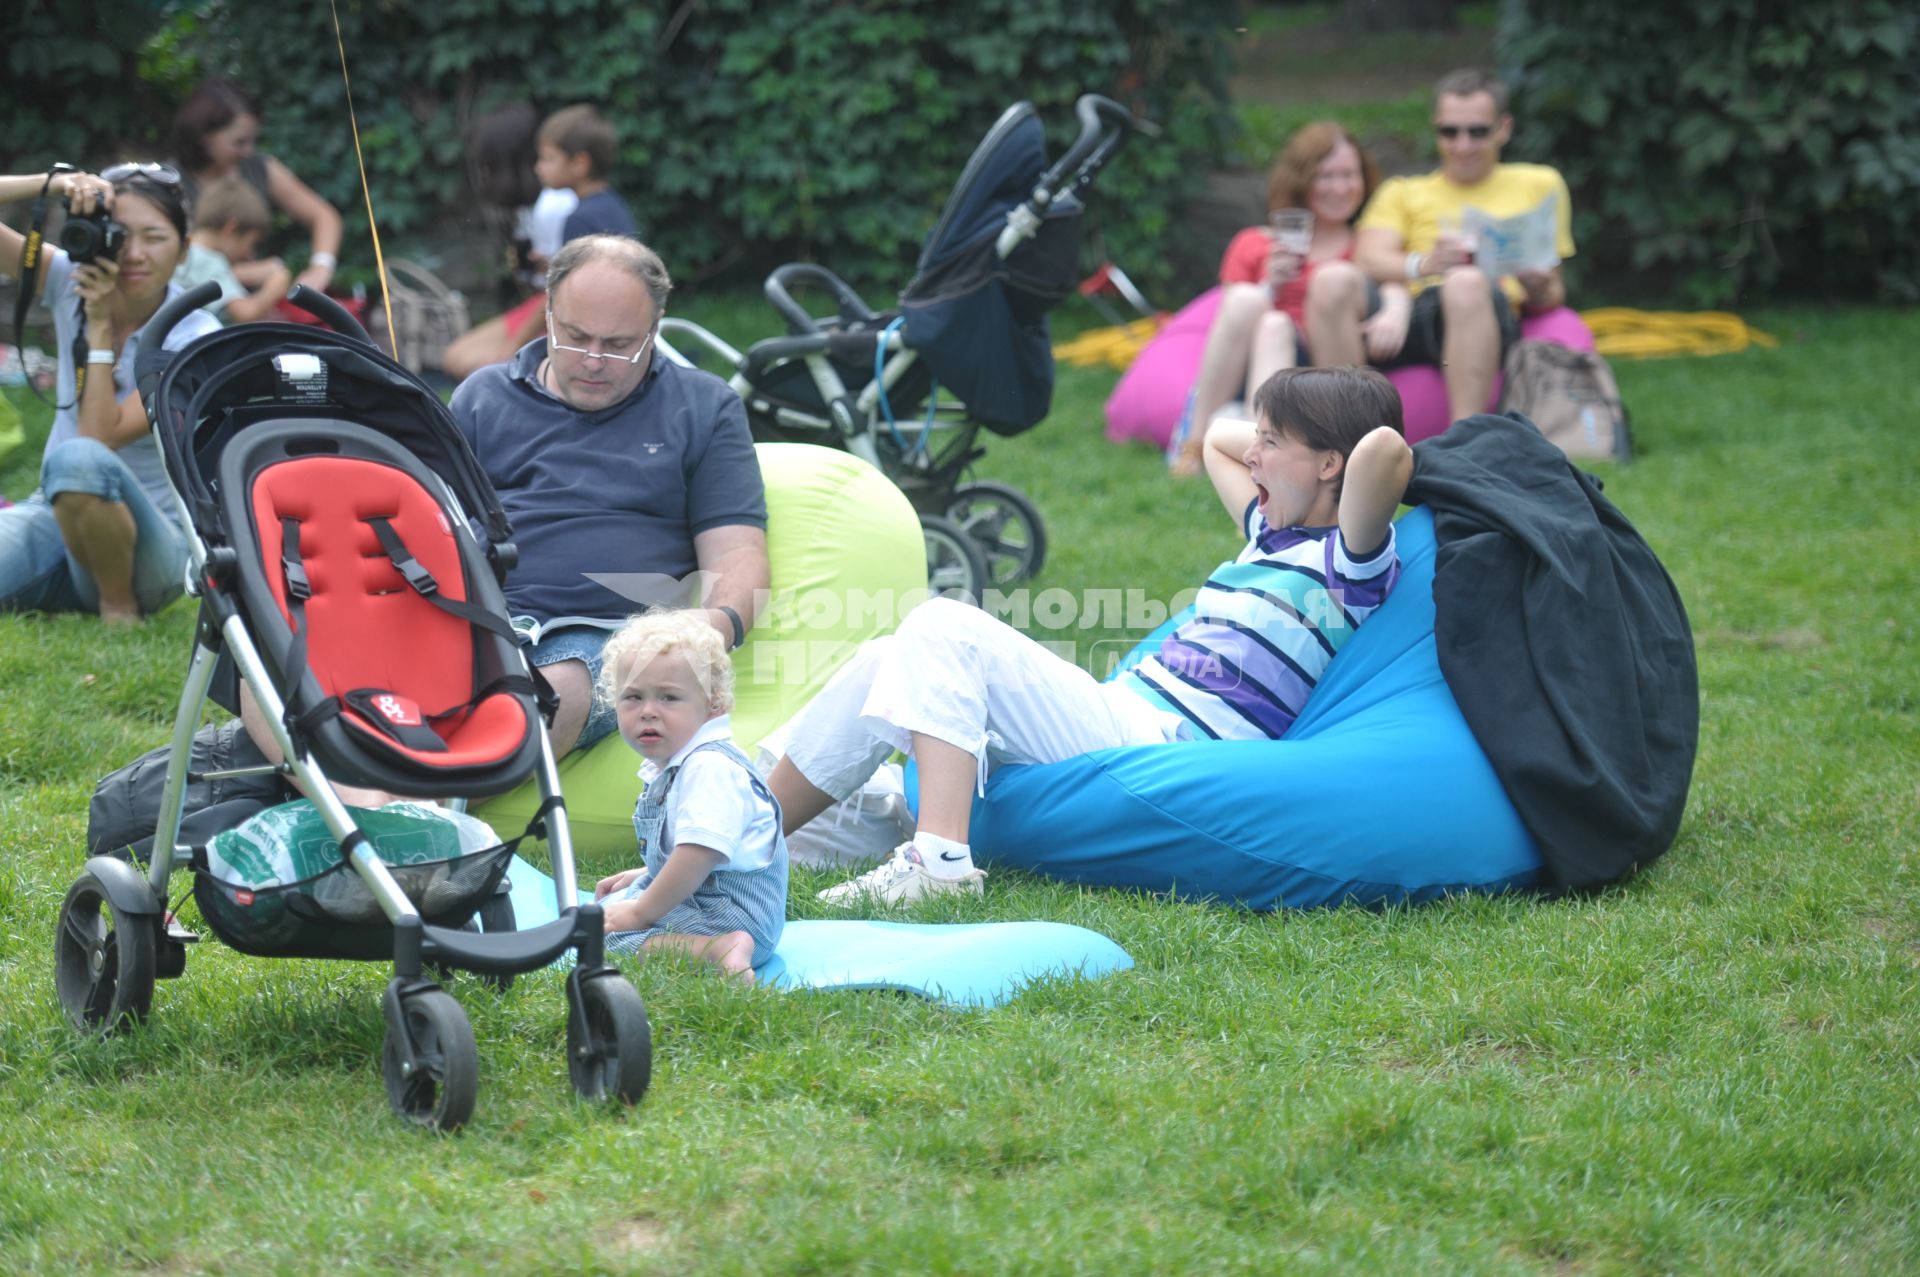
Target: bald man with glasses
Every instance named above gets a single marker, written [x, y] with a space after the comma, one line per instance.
[1412, 232]
[631, 481]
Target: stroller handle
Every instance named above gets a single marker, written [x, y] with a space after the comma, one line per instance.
[852, 308]
[153, 334]
[1104, 125]
[327, 311]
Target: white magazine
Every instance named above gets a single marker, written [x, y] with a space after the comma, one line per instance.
[1509, 245]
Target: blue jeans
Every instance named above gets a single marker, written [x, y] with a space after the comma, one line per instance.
[581, 643]
[38, 574]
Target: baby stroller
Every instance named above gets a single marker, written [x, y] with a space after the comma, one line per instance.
[347, 552]
[908, 390]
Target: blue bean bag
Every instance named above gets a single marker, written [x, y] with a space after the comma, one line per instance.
[1379, 793]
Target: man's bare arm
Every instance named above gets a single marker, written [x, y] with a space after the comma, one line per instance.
[1382, 254]
[733, 562]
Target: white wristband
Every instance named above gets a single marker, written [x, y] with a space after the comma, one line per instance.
[100, 356]
[1413, 265]
[327, 260]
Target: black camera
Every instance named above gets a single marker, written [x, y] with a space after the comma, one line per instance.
[87, 236]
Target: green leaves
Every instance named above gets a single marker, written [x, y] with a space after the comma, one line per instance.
[750, 132]
[1672, 141]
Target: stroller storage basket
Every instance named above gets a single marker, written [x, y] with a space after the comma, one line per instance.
[333, 915]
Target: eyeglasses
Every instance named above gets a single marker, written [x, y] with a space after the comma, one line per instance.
[604, 356]
[1478, 132]
[163, 174]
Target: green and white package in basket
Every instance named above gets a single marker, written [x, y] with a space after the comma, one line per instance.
[291, 843]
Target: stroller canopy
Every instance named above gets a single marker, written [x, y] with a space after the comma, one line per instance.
[980, 322]
[234, 378]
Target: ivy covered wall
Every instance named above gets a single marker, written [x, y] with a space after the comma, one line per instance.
[751, 132]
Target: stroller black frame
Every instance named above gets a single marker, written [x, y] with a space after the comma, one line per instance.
[115, 937]
[796, 388]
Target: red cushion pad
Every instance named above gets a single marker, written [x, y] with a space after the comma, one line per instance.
[366, 627]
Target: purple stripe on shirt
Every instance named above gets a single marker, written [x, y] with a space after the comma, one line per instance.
[1219, 656]
[1270, 706]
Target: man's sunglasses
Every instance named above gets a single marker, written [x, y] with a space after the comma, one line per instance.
[161, 174]
[1478, 132]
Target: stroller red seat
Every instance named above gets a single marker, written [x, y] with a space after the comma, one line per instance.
[368, 629]
[381, 620]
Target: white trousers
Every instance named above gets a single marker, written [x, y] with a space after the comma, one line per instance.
[954, 673]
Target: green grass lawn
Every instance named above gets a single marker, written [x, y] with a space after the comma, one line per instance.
[1710, 1069]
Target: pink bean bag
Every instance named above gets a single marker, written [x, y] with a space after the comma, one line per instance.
[1151, 394]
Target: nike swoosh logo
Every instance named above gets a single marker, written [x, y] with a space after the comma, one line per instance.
[945, 856]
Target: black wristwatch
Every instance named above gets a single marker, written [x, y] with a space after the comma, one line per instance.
[739, 627]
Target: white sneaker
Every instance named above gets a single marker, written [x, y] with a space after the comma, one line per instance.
[900, 881]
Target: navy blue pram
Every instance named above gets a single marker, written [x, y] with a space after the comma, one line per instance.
[909, 389]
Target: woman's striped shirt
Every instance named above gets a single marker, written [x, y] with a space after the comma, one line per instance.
[1264, 628]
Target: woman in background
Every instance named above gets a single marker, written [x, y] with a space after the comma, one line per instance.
[216, 132]
[1260, 327]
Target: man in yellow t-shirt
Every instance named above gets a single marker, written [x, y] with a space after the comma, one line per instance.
[1413, 231]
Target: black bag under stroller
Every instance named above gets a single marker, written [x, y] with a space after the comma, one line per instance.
[968, 348]
[348, 554]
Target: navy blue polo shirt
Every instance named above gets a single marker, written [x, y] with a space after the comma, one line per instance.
[605, 505]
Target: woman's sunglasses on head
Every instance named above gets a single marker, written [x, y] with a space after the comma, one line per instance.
[163, 174]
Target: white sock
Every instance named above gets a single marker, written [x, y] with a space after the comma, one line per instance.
[943, 857]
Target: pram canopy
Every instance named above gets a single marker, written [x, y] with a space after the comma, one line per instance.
[203, 396]
[979, 321]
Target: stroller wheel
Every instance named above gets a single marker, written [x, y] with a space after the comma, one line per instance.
[610, 1047]
[955, 567]
[104, 959]
[435, 1082]
[1006, 527]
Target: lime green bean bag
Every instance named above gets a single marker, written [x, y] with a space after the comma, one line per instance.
[847, 563]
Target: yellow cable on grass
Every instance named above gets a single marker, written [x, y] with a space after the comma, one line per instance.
[379, 261]
[1115, 347]
[1623, 333]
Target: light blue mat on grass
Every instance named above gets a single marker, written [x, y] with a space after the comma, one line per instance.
[980, 964]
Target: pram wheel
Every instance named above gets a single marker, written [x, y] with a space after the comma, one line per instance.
[104, 959]
[434, 1081]
[1005, 525]
[610, 1046]
[955, 566]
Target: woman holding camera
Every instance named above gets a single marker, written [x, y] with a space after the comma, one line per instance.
[101, 533]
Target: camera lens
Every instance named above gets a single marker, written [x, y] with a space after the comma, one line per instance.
[86, 237]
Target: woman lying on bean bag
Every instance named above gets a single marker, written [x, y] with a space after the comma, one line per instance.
[1313, 488]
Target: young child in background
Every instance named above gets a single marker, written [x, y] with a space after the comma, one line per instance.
[714, 877]
[576, 150]
[229, 221]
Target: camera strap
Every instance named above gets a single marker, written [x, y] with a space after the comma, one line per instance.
[30, 253]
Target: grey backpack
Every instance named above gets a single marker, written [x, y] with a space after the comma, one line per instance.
[1571, 396]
